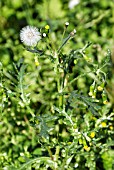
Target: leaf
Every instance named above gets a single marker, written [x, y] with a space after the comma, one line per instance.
[43, 127]
[64, 42]
[77, 98]
[35, 50]
[69, 160]
[38, 161]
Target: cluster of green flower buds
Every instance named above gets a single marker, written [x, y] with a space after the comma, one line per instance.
[93, 91]
[45, 31]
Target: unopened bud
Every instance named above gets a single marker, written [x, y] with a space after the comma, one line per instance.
[101, 87]
[66, 24]
[105, 102]
[94, 93]
[36, 61]
[73, 33]
[92, 87]
[44, 34]
[104, 97]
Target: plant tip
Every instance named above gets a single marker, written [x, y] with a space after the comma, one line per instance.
[73, 33]
[67, 24]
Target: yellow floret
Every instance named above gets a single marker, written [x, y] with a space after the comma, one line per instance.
[103, 124]
[47, 27]
[105, 102]
[92, 134]
[100, 88]
[111, 127]
[86, 148]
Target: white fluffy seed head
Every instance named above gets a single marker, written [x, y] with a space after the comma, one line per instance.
[30, 35]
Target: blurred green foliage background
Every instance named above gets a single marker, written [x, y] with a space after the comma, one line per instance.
[94, 22]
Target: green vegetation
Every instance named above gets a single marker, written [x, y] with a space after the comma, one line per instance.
[57, 98]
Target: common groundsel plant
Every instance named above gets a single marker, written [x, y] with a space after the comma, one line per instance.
[78, 129]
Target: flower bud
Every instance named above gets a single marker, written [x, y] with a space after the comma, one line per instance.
[66, 24]
[47, 27]
[92, 87]
[104, 97]
[73, 33]
[103, 124]
[101, 87]
[36, 61]
[92, 134]
[80, 141]
[87, 58]
[94, 93]
[44, 34]
[111, 127]
[86, 148]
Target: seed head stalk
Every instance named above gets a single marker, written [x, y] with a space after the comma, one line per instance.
[60, 81]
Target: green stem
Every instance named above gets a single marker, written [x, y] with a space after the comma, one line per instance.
[64, 42]
[50, 153]
[41, 159]
[75, 80]
[62, 87]
[63, 33]
[68, 118]
[58, 78]
[59, 89]
[57, 153]
[1, 80]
